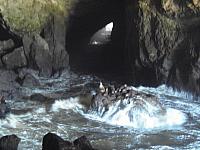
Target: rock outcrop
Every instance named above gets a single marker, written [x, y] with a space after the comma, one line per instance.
[54, 142]
[9, 142]
[44, 52]
[166, 43]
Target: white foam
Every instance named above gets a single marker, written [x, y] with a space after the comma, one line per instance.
[67, 104]
[11, 121]
[134, 117]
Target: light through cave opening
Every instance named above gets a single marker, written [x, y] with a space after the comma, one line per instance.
[102, 36]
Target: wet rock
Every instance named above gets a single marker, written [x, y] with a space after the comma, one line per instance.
[30, 81]
[54, 142]
[82, 143]
[28, 78]
[9, 142]
[39, 97]
[124, 96]
[16, 59]
[8, 85]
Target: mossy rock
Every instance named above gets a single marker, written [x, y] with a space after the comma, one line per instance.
[31, 15]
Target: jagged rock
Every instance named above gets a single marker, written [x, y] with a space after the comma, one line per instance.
[40, 56]
[54, 32]
[16, 59]
[54, 142]
[47, 54]
[166, 48]
[9, 142]
[103, 101]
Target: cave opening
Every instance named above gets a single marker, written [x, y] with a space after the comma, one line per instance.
[96, 40]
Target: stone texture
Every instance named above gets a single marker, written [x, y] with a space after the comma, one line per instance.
[9, 142]
[16, 59]
[54, 142]
[8, 86]
[54, 33]
[40, 56]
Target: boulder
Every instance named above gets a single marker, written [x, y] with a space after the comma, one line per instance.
[46, 52]
[16, 59]
[52, 141]
[9, 142]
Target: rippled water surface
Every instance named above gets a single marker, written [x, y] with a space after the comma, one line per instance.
[31, 120]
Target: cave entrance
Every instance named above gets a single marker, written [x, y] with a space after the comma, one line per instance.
[96, 38]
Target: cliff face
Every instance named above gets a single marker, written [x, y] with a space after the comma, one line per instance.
[168, 44]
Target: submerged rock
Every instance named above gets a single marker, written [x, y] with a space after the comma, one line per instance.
[54, 142]
[9, 142]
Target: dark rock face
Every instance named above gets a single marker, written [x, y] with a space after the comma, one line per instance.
[54, 34]
[40, 57]
[9, 142]
[53, 142]
[168, 44]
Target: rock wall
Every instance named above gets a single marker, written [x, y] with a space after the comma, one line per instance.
[167, 43]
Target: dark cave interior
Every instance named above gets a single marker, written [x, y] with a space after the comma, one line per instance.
[91, 48]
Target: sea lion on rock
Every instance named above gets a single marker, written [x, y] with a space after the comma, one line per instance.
[126, 95]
